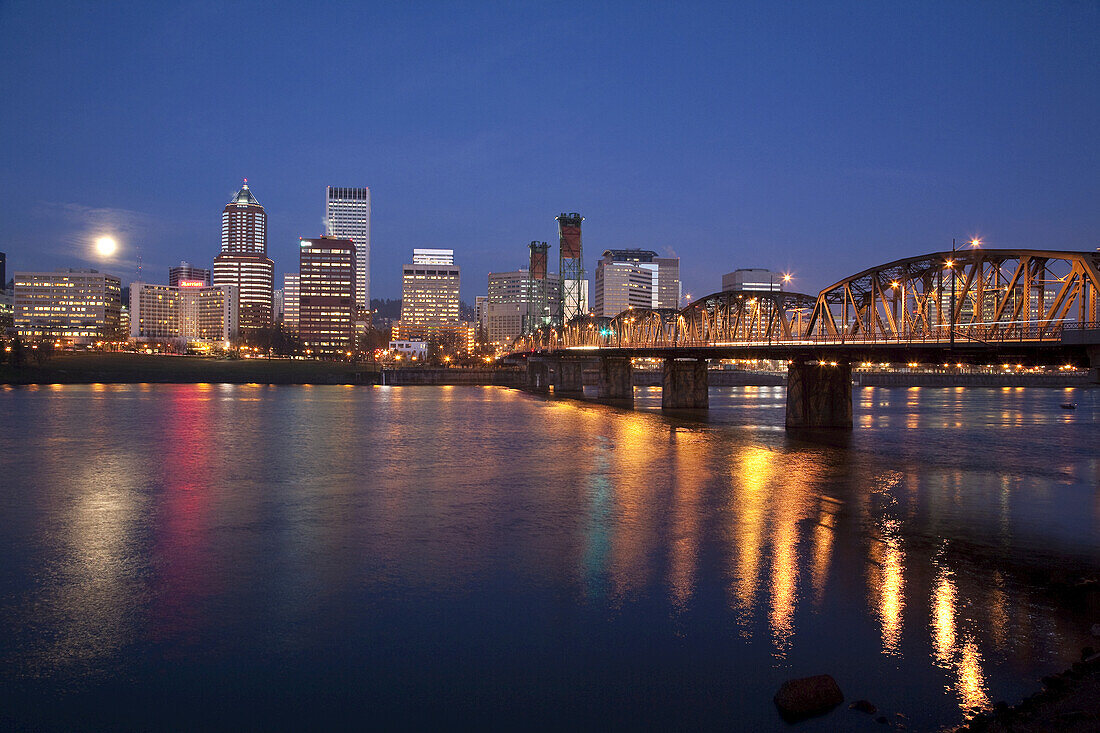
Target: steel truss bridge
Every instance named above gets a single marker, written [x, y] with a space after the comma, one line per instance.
[973, 300]
[973, 305]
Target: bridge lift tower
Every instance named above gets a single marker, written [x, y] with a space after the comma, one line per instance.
[574, 291]
[538, 307]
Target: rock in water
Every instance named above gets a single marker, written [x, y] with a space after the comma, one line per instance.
[807, 697]
[864, 706]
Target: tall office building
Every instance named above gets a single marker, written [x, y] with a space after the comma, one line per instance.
[188, 272]
[81, 306]
[326, 299]
[347, 215]
[515, 301]
[752, 279]
[429, 297]
[635, 278]
[290, 303]
[3, 271]
[243, 261]
[244, 224]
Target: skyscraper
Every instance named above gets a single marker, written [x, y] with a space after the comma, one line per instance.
[244, 224]
[243, 261]
[347, 215]
[326, 301]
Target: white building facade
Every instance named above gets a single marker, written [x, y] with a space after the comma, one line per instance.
[753, 278]
[635, 278]
[190, 312]
[347, 216]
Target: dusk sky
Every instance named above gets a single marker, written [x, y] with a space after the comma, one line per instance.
[815, 138]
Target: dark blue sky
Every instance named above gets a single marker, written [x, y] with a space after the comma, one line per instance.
[815, 138]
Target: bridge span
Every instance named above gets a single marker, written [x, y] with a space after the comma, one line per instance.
[974, 306]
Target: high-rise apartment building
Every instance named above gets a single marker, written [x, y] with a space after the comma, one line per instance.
[429, 296]
[81, 306]
[290, 303]
[243, 261]
[190, 312]
[326, 299]
[347, 216]
[635, 278]
[187, 272]
[752, 279]
[514, 301]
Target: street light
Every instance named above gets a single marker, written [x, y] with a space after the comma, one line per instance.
[974, 242]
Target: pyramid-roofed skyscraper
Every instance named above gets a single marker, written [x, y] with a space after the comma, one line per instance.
[243, 261]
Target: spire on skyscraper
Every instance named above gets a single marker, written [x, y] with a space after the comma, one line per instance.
[244, 196]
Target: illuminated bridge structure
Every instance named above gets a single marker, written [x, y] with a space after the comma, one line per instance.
[968, 306]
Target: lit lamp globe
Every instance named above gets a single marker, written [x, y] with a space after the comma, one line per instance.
[106, 246]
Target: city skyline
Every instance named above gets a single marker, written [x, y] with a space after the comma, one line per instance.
[764, 141]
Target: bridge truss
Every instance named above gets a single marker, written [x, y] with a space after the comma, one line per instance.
[981, 297]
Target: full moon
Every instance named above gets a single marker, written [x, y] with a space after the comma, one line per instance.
[106, 246]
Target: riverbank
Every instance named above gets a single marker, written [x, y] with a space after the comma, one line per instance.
[128, 368]
[1068, 702]
[123, 368]
[963, 379]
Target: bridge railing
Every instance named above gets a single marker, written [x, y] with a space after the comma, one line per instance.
[977, 334]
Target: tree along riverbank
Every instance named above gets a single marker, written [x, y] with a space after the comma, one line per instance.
[125, 368]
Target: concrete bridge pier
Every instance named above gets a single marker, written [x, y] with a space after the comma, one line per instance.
[569, 381]
[538, 376]
[819, 395]
[1094, 363]
[685, 385]
[616, 379]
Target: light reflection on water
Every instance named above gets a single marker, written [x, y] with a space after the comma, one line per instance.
[348, 549]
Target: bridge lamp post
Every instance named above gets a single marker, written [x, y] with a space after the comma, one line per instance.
[894, 286]
[974, 242]
[951, 320]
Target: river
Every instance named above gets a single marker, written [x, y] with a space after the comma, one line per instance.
[284, 557]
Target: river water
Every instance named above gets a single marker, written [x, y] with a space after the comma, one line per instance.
[284, 557]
